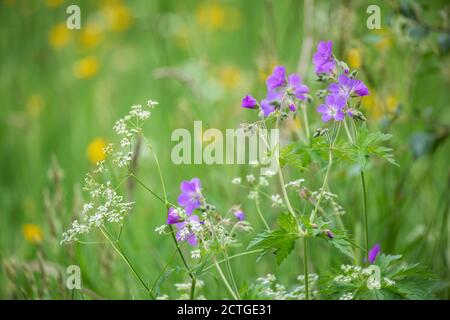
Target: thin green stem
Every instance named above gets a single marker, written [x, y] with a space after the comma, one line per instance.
[234, 256]
[148, 189]
[258, 209]
[366, 223]
[119, 250]
[305, 266]
[230, 271]
[224, 279]
[305, 116]
[325, 179]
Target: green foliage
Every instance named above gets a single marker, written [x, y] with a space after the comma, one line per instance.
[281, 241]
[397, 280]
[368, 145]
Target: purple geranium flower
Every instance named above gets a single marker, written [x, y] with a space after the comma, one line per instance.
[346, 86]
[277, 79]
[191, 196]
[373, 253]
[249, 102]
[268, 104]
[173, 216]
[184, 233]
[323, 58]
[239, 214]
[296, 87]
[332, 109]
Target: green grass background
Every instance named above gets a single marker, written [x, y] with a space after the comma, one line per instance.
[408, 206]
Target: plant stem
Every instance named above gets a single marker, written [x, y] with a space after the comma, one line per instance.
[119, 250]
[366, 223]
[258, 209]
[234, 256]
[230, 271]
[305, 267]
[305, 116]
[148, 189]
[225, 280]
[325, 179]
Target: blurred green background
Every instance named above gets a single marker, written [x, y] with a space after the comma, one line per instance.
[61, 91]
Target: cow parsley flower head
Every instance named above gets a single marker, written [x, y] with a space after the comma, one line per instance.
[191, 195]
[323, 58]
[332, 108]
[346, 86]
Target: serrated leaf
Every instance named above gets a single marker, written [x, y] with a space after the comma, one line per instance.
[342, 242]
[281, 241]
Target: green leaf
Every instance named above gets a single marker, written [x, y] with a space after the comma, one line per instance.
[368, 146]
[280, 241]
[342, 242]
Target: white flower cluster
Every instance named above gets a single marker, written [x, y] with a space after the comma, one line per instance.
[196, 254]
[105, 206]
[331, 198]
[346, 296]
[296, 184]
[267, 287]
[128, 127]
[277, 201]
[357, 274]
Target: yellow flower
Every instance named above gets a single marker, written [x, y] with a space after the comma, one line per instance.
[59, 36]
[294, 124]
[230, 77]
[391, 104]
[53, 3]
[118, 16]
[211, 16]
[90, 35]
[86, 68]
[34, 106]
[385, 39]
[354, 58]
[32, 233]
[95, 150]
[373, 104]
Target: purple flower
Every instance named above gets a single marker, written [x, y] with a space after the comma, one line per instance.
[296, 86]
[373, 253]
[323, 57]
[184, 233]
[249, 102]
[277, 79]
[347, 86]
[332, 109]
[268, 104]
[239, 214]
[191, 196]
[173, 216]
